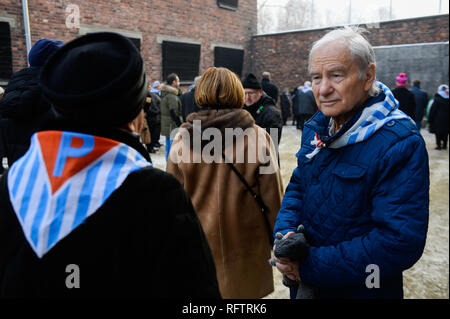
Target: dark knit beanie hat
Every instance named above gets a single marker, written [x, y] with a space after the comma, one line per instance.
[251, 82]
[97, 78]
[42, 50]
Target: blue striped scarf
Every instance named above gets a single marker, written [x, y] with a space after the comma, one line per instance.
[371, 120]
[88, 175]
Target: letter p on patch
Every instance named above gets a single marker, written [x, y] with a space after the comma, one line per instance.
[72, 145]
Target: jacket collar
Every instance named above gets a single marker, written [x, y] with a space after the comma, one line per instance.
[259, 106]
[169, 88]
[320, 123]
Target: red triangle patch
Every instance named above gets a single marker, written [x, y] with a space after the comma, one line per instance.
[52, 142]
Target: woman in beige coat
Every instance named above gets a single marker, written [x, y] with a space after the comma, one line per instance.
[231, 218]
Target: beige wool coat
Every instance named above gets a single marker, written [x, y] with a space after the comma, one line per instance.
[230, 216]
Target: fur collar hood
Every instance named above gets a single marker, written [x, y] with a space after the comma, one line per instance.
[220, 119]
[169, 89]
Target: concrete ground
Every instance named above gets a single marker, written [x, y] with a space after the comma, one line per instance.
[429, 277]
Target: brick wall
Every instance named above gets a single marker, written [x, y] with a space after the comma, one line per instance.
[199, 20]
[285, 55]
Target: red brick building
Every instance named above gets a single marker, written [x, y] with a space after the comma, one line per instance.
[182, 36]
[187, 37]
[285, 54]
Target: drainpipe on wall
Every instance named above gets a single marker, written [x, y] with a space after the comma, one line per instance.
[26, 24]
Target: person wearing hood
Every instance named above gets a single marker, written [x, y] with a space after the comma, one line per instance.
[261, 106]
[75, 220]
[361, 187]
[23, 109]
[438, 117]
[406, 99]
[171, 114]
[237, 229]
[156, 88]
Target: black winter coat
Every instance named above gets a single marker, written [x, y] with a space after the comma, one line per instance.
[407, 101]
[285, 106]
[266, 114]
[188, 104]
[270, 89]
[421, 100]
[438, 116]
[23, 110]
[145, 241]
[306, 102]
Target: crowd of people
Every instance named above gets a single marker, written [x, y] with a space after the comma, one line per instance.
[427, 110]
[81, 189]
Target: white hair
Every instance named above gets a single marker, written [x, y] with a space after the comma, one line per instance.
[360, 49]
[307, 83]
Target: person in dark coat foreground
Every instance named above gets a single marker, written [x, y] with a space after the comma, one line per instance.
[361, 187]
[74, 218]
[23, 108]
[438, 117]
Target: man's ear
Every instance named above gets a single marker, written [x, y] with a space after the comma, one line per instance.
[136, 124]
[370, 76]
[130, 127]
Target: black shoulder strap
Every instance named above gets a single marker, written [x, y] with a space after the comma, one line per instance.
[259, 200]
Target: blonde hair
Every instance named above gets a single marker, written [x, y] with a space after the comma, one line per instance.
[219, 88]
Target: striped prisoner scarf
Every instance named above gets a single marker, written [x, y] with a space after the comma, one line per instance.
[63, 179]
[372, 119]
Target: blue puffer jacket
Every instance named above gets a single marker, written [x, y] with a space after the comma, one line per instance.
[361, 204]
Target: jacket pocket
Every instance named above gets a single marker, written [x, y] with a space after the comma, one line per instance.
[349, 171]
[350, 189]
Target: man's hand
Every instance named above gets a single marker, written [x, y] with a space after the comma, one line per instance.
[288, 268]
[284, 265]
[289, 251]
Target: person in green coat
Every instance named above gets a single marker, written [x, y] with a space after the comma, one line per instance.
[171, 115]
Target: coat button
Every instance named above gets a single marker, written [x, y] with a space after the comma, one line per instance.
[391, 123]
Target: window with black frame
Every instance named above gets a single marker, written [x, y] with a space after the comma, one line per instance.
[228, 4]
[5, 52]
[182, 59]
[229, 58]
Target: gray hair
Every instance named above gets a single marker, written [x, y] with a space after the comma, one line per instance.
[360, 49]
[196, 79]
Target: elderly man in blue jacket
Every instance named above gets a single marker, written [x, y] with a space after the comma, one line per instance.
[361, 187]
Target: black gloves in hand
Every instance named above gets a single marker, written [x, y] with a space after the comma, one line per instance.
[294, 247]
